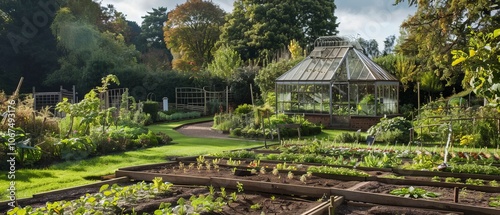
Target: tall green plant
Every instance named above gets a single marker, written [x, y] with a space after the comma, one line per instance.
[89, 109]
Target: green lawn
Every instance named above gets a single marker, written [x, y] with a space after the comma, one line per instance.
[69, 174]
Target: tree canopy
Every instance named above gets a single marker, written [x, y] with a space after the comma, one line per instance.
[191, 32]
[259, 29]
[439, 27]
[481, 62]
[88, 53]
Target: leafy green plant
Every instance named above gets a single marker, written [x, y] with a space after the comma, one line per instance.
[398, 128]
[494, 201]
[243, 109]
[436, 179]
[412, 192]
[337, 171]
[494, 183]
[453, 180]
[76, 148]
[475, 169]
[26, 153]
[109, 200]
[239, 186]
[255, 206]
[284, 166]
[477, 182]
[393, 176]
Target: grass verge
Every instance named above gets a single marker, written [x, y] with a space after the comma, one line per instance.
[75, 173]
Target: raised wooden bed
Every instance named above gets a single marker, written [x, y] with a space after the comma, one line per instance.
[301, 190]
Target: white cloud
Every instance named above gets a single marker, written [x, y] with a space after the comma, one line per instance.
[371, 19]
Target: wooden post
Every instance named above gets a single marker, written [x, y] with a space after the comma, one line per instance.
[455, 194]
[335, 201]
[227, 99]
[251, 94]
[16, 93]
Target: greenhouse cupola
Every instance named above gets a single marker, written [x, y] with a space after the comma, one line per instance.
[339, 86]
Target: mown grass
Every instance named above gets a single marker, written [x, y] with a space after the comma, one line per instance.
[75, 173]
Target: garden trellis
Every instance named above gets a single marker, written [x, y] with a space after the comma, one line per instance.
[50, 99]
[470, 126]
[112, 98]
[202, 100]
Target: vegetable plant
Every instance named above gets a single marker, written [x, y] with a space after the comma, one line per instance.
[337, 171]
[494, 201]
[412, 192]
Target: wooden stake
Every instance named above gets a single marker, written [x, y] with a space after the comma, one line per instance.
[455, 194]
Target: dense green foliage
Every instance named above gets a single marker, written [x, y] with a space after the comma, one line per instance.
[438, 27]
[260, 30]
[392, 130]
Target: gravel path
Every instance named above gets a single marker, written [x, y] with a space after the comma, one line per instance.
[203, 129]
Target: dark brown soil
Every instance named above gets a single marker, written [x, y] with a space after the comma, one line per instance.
[226, 172]
[369, 209]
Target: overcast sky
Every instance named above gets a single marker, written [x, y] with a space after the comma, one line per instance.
[369, 19]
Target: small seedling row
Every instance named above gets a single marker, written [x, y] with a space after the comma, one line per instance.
[400, 177]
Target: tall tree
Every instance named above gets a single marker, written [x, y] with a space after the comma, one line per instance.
[389, 43]
[370, 47]
[88, 54]
[152, 42]
[191, 32]
[440, 26]
[27, 46]
[259, 30]
[152, 29]
[225, 64]
[481, 62]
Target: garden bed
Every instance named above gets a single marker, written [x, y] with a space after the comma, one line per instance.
[359, 189]
[207, 200]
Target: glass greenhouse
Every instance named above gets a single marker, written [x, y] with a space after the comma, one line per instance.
[337, 81]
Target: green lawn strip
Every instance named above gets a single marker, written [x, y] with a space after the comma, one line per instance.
[70, 174]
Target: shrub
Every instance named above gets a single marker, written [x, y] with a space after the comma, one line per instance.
[346, 137]
[394, 129]
[163, 138]
[26, 154]
[236, 132]
[151, 108]
[243, 109]
[76, 148]
[148, 139]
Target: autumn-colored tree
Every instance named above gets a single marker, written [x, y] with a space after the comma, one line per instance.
[440, 26]
[191, 32]
[295, 50]
[481, 62]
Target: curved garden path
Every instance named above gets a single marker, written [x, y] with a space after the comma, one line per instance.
[203, 129]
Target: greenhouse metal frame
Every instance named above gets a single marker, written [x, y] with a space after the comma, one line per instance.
[339, 81]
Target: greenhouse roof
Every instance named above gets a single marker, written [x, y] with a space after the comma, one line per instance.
[336, 59]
